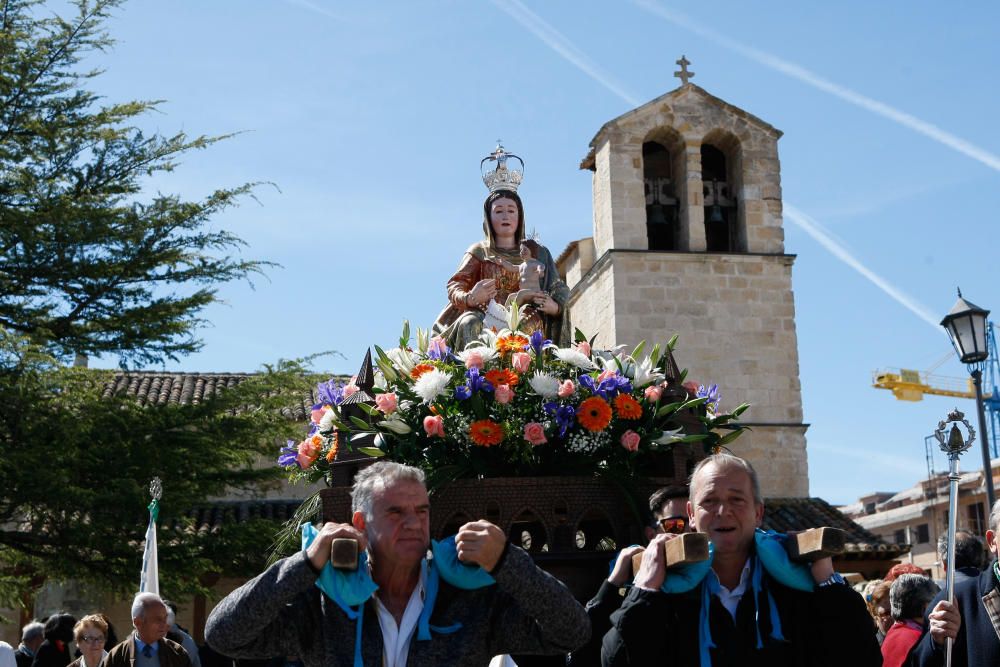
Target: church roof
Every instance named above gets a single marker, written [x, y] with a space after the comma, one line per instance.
[686, 89]
[785, 514]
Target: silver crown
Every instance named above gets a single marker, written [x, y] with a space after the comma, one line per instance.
[501, 177]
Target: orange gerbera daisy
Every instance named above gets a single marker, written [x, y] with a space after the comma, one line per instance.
[594, 414]
[513, 343]
[499, 376]
[627, 407]
[419, 370]
[486, 432]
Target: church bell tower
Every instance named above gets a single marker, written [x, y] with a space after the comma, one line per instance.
[688, 239]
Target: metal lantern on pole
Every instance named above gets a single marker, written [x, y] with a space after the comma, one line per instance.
[966, 325]
[953, 444]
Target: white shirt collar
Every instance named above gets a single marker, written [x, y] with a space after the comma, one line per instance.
[396, 639]
[730, 599]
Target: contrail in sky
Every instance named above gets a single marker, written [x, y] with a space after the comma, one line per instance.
[561, 45]
[816, 81]
[558, 42]
[821, 236]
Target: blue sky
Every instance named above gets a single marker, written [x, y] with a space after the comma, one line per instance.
[370, 119]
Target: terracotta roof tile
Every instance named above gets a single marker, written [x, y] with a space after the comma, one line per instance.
[785, 514]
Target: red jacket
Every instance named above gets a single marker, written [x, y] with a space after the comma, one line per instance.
[898, 642]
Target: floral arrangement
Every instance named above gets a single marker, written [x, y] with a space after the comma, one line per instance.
[512, 405]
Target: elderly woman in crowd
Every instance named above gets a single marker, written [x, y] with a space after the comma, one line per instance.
[877, 598]
[89, 634]
[908, 597]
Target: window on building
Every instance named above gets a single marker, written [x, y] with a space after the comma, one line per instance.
[923, 533]
[900, 536]
[869, 508]
[661, 201]
[977, 518]
[720, 205]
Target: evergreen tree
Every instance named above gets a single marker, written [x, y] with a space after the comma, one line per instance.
[90, 265]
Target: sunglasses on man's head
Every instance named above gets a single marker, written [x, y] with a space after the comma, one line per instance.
[673, 524]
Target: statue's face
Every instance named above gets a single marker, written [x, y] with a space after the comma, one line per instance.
[503, 219]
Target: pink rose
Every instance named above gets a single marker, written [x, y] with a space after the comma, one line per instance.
[566, 389]
[535, 433]
[630, 440]
[521, 361]
[317, 415]
[474, 359]
[308, 452]
[584, 347]
[434, 426]
[386, 402]
[503, 393]
[653, 393]
[350, 390]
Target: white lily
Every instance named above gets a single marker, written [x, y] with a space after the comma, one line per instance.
[642, 373]
[396, 425]
[575, 358]
[403, 359]
[326, 421]
[544, 384]
[668, 437]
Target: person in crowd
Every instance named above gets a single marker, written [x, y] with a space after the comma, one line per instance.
[909, 596]
[972, 620]
[479, 596]
[748, 605]
[877, 598]
[32, 636]
[969, 555]
[180, 635]
[54, 649]
[667, 514]
[904, 568]
[7, 655]
[148, 646]
[111, 637]
[90, 633]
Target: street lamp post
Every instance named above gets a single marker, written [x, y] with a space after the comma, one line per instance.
[966, 325]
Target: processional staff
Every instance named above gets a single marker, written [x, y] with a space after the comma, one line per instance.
[953, 447]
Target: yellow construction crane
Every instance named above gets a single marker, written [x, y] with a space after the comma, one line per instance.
[909, 385]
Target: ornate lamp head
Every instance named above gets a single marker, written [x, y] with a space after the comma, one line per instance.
[501, 176]
[956, 443]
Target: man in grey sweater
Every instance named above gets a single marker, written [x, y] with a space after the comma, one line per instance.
[283, 612]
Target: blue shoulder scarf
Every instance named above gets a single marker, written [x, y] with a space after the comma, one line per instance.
[351, 590]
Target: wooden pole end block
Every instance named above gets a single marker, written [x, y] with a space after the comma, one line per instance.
[815, 543]
[344, 553]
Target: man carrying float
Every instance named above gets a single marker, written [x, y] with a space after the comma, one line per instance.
[477, 596]
[748, 604]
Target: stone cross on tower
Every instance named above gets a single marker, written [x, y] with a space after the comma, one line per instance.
[684, 74]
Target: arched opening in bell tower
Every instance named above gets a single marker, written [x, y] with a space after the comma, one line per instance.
[659, 155]
[719, 186]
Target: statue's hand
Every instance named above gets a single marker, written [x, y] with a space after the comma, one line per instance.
[546, 304]
[482, 292]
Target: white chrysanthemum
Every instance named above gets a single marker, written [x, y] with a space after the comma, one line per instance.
[403, 359]
[431, 384]
[575, 358]
[326, 421]
[544, 384]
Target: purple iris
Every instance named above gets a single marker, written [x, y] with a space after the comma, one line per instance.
[476, 383]
[712, 394]
[538, 343]
[565, 416]
[437, 349]
[289, 455]
[330, 392]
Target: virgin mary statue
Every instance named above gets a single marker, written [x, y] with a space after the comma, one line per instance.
[489, 269]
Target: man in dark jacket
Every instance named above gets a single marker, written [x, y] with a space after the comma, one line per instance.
[148, 646]
[32, 636]
[739, 614]
[973, 621]
[283, 612]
